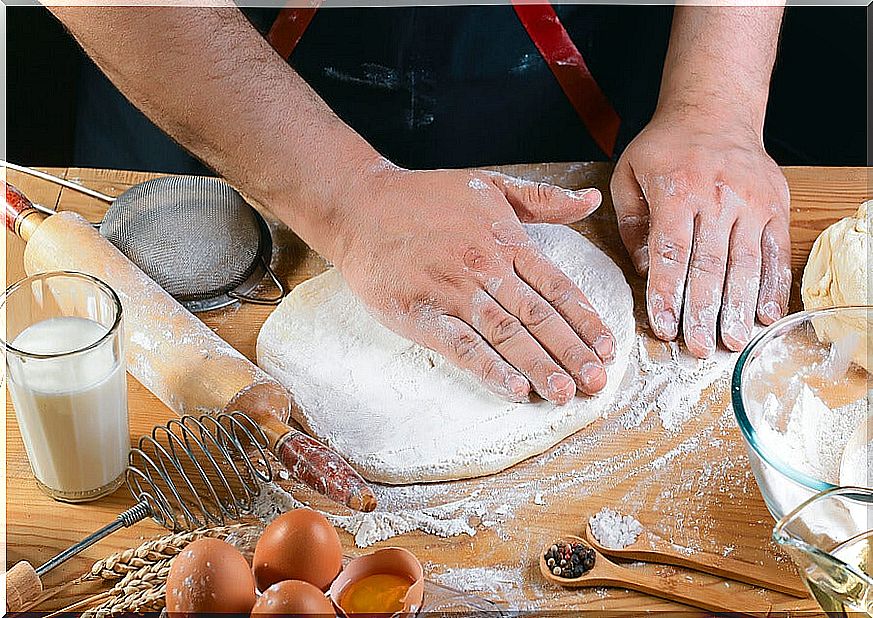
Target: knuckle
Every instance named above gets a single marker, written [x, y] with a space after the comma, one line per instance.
[745, 259]
[576, 356]
[476, 259]
[671, 250]
[542, 192]
[490, 371]
[535, 312]
[707, 263]
[466, 347]
[504, 328]
[558, 289]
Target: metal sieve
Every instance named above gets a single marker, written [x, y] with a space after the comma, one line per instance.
[195, 236]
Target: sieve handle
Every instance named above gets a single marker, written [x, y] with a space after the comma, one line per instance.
[75, 186]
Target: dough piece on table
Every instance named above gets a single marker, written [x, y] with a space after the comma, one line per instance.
[400, 413]
[837, 274]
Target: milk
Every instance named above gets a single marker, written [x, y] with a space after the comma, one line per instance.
[72, 410]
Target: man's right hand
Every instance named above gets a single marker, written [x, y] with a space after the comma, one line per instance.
[441, 257]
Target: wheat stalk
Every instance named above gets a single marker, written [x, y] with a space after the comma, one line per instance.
[140, 574]
[120, 564]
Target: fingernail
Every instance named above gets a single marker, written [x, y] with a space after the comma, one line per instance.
[592, 376]
[519, 387]
[665, 324]
[738, 331]
[703, 338]
[640, 258]
[771, 310]
[561, 388]
[580, 194]
[605, 347]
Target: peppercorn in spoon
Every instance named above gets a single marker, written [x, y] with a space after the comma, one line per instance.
[603, 572]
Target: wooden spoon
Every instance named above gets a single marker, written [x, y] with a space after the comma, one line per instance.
[606, 573]
[650, 547]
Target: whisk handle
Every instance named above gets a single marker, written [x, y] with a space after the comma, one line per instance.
[307, 459]
[134, 514]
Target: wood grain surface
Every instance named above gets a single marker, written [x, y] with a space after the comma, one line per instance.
[707, 496]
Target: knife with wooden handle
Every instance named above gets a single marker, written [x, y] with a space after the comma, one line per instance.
[176, 356]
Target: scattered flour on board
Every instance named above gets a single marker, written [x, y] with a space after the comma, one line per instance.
[646, 392]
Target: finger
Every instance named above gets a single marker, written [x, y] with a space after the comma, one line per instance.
[567, 299]
[705, 283]
[775, 271]
[741, 284]
[465, 348]
[669, 251]
[540, 202]
[508, 336]
[632, 214]
[552, 333]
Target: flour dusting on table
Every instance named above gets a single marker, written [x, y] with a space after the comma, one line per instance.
[646, 393]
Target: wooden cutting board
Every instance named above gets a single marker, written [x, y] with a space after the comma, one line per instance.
[706, 498]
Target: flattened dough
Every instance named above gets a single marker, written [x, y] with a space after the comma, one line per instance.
[400, 413]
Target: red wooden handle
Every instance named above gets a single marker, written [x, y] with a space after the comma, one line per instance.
[16, 204]
[319, 467]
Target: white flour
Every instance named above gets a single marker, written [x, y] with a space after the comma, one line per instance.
[437, 510]
[808, 435]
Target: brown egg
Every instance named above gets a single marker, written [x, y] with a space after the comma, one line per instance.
[210, 575]
[300, 544]
[293, 598]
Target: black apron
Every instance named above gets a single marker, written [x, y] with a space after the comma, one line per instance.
[430, 87]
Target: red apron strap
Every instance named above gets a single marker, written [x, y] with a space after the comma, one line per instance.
[545, 30]
[289, 27]
[569, 68]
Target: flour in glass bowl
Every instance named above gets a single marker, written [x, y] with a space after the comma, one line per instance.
[811, 436]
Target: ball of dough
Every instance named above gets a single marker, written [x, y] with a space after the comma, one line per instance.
[836, 274]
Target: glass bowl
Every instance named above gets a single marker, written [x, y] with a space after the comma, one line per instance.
[800, 395]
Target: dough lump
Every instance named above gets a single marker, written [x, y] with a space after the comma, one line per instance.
[836, 274]
[400, 413]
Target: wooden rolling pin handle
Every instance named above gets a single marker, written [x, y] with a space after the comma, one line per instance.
[308, 460]
[23, 587]
[19, 213]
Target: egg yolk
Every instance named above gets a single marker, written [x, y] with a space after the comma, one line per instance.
[376, 594]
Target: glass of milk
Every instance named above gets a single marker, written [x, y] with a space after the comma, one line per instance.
[65, 369]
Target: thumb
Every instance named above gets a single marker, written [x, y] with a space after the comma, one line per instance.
[540, 202]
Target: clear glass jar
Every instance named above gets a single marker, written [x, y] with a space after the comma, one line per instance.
[64, 348]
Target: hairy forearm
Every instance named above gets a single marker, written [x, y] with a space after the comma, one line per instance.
[720, 60]
[208, 79]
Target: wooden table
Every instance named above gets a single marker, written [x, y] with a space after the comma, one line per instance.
[727, 513]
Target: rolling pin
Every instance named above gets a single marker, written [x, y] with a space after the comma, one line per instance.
[176, 356]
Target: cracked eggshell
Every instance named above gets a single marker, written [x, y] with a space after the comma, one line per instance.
[389, 561]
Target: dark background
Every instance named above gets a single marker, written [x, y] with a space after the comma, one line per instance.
[817, 113]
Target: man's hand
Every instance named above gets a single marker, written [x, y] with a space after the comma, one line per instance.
[703, 210]
[442, 258]
[701, 206]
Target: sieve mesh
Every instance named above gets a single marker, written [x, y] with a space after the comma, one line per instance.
[195, 236]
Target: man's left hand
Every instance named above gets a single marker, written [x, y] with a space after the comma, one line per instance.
[703, 210]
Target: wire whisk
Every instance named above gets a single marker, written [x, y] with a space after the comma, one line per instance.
[191, 473]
